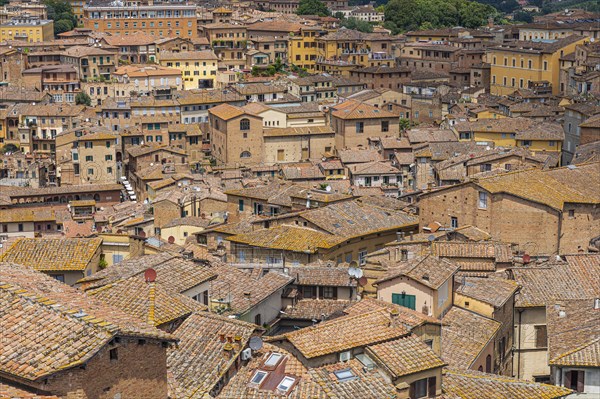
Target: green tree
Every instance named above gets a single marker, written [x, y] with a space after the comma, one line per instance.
[83, 99]
[523, 16]
[61, 12]
[312, 7]
[353, 23]
[404, 124]
[9, 148]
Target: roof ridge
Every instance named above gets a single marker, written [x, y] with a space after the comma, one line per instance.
[592, 342]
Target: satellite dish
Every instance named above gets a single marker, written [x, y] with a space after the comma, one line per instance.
[150, 275]
[362, 281]
[431, 238]
[255, 343]
[355, 272]
[328, 189]
[171, 240]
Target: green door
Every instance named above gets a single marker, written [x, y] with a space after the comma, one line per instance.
[408, 301]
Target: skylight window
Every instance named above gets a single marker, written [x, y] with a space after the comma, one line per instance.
[344, 375]
[259, 377]
[273, 359]
[286, 384]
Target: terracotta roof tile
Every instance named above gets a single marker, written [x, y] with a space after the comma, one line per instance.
[573, 334]
[53, 254]
[404, 356]
[429, 270]
[466, 334]
[199, 361]
[345, 333]
[49, 326]
[493, 290]
[468, 384]
[315, 309]
[541, 286]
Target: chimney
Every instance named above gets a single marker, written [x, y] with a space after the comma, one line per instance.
[222, 337]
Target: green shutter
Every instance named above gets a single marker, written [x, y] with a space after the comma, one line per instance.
[408, 301]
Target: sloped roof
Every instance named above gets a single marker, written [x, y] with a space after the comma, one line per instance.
[45, 254]
[48, 326]
[428, 270]
[469, 384]
[345, 333]
[466, 334]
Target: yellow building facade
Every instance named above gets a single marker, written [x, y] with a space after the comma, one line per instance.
[516, 65]
[198, 68]
[302, 50]
[30, 29]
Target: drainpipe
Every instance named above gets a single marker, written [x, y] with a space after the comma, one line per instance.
[519, 346]
[560, 218]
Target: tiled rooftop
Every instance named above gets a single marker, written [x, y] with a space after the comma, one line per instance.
[573, 333]
[45, 254]
[466, 334]
[73, 326]
[493, 290]
[199, 361]
[345, 333]
[468, 384]
[405, 356]
[428, 270]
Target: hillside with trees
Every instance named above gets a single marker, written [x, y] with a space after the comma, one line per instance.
[405, 15]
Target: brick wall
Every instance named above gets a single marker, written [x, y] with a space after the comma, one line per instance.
[140, 372]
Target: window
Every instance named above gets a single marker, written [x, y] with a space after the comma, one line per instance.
[385, 126]
[116, 258]
[454, 222]
[541, 336]
[330, 292]
[552, 143]
[258, 320]
[545, 65]
[344, 375]
[486, 167]
[527, 143]
[59, 277]
[245, 154]
[360, 127]
[113, 355]
[20, 227]
[418, 389]
[571, 213]
[258, 377]
[245, 124]
[483, 200]
[241, 205]
[286, 384]
[89, 158]
[362, 256]
[488, 364]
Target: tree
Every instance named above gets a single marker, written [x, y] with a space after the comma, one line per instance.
[61, 12]
[83, 99]
[9, 148]
[404, 124]
[412, 14]
[312, 7]
[523, 16]
[357, 24]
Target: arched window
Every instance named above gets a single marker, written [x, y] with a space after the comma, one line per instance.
[245, 124]
[488, 364]
[245, 154]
